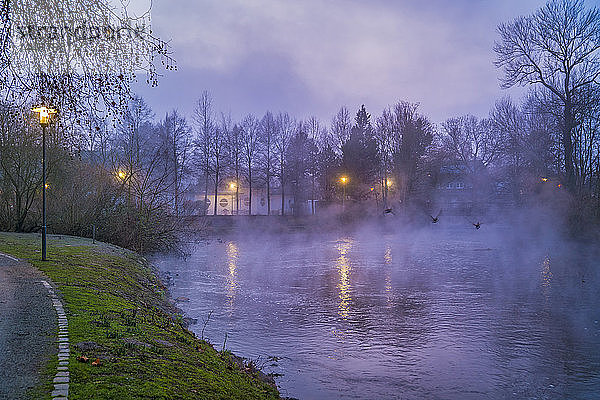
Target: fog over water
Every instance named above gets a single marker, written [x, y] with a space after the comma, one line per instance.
[443, 311]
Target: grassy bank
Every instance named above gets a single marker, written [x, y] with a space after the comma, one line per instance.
[118, 312]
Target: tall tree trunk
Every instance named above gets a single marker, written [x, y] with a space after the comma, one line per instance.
[237, 188]
[205, 208]
[176, 176]
[385, 190]
[312, 200]
[282, 194]
[216, 188]
[269, 174]
[568, 145]
[249, 190]
[268, 189]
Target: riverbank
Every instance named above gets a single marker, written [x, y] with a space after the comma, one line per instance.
[121, 318]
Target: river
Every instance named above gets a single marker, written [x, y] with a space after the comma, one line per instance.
[443, 312]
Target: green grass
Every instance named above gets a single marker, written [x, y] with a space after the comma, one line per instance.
[113, 299]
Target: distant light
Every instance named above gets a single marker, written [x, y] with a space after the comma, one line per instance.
[388, 182]
[372, 189]
[232, 185]
[44, 114]
[46, 186]
[559, 185]
[544, 179]
[121, 174]
[344, 179]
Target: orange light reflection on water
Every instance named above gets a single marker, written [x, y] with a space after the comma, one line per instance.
[232, 252]
[387, 261]
[344, 270]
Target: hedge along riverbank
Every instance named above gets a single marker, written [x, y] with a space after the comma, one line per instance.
[119, 314]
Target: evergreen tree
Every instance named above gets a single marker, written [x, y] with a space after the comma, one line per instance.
[360, 156]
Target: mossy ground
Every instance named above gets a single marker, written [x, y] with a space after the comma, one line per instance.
[118, 311]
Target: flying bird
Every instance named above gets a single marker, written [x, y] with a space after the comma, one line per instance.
[389, 211]
[435, 219]
[477, 225]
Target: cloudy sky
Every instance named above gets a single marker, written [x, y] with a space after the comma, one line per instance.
[309, 57]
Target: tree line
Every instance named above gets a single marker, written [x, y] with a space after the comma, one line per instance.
[129, 178]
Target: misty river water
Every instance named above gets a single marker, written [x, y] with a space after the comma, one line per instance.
[444, 312]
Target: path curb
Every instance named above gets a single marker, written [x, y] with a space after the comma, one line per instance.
[61, 379]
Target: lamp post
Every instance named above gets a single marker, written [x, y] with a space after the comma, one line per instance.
[125, 177]
[344, 180]
[232, 187]
[45, 114]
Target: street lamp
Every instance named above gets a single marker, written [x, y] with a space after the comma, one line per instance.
[45, 114]
[344, 180]
[232, 187]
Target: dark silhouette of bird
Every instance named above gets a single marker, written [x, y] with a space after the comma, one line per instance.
[435, 219]
[477, 225]
[389, 211]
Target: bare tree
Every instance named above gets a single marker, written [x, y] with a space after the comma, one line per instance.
[177, 144]
[128, 159]
[234, 149]
[268, 132]
[508, 123]
[285, 133]
[250, 142]
[218, 151]
[387, 134]
[205, 128]
[78, 56]
[403, 136]
[341, 127]
[468, 139]
[542, 141]
[19, 170]
[316, 134]
[556, 47]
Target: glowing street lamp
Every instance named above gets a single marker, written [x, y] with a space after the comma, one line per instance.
[232, 187]
[121, 175]
[344, 180]
[45, 114]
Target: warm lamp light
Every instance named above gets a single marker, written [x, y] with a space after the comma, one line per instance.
[45, 114]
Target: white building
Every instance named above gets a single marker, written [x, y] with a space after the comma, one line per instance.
[226, 203]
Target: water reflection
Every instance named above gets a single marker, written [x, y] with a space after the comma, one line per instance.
[546, 278]
[343, 267]
[546, 273]
[387, 262]
[454, 316]
[232, 252]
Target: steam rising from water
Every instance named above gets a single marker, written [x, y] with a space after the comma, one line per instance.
[383, 310]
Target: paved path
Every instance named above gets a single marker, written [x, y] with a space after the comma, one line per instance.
[28, 327]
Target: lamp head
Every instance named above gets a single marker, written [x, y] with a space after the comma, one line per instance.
[45, 114]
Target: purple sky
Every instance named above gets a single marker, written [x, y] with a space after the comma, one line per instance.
[309, 57]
